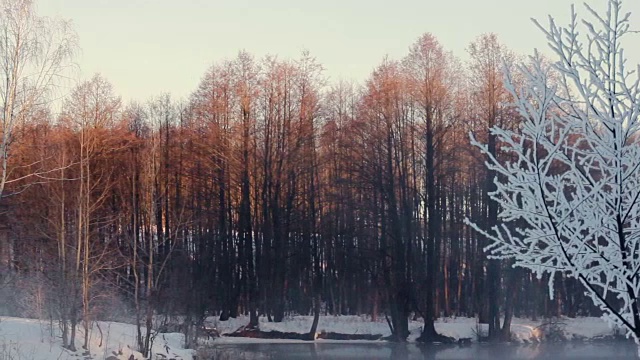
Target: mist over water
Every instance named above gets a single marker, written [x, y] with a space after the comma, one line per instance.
[389, 351]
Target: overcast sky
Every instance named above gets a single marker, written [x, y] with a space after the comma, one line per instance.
[145, 47]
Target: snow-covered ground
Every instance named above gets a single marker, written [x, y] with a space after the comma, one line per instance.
[28, 339]
[523, 330]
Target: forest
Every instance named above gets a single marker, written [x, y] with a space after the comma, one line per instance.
[272, 190]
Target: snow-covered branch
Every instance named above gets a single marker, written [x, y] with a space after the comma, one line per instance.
[569, 180]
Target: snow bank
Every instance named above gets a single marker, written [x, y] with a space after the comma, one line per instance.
[457, 328]
[29, 339]
[586, 328]
[522, 330]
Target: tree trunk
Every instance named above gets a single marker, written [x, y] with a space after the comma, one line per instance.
[316, 317]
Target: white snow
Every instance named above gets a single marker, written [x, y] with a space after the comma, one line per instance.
[523, 330]
[37, 340]
[30, 339]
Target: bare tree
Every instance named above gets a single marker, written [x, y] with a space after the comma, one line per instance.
[35, 53]
[91, 111]
[430, 78]
[492, 107]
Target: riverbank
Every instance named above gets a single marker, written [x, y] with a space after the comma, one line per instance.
[29, 339]
[458, 328]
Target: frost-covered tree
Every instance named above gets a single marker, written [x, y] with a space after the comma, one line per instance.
[569, 187]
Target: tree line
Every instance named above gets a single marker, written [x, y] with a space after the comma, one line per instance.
[271, 191]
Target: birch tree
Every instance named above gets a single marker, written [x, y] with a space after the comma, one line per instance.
[569, 192]
[35, 52]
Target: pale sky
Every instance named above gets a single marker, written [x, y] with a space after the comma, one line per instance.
[146, 47]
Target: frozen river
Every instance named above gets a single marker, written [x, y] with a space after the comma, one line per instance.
[390, 351]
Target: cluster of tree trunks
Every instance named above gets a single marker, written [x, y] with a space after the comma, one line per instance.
[257, 334]
[271, 192]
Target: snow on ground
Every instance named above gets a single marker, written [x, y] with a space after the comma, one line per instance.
[589, 328]
[29, 339]
[523, 330]
[454, 327]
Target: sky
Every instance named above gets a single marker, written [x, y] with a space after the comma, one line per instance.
[147, 47]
